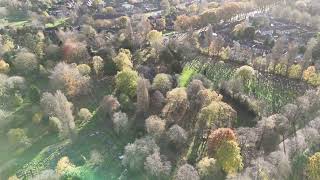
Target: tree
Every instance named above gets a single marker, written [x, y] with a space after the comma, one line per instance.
[245, 73]
[64, 165]
[98, 65]
[126, 82]
[25, 63]
[157, 101]
[217, 114]
[218, 137]
[123, 59]
[177, 105]
[109, 104]
[4, 67]
[186, 172]
[47, 174]
[208, 168]
[281, 123]
[295, 71]
[69, 79]
[18, 138]
[313, 166]
[120, 122]
[143, 100]
[135, 154]
[270, 139]
[162, 82]
[57, 105]
[84, 114]
[75, 52]
[229, 157]
[84, 69]
[157, 167]
[123, 21]
[155, 39]
[206, 96]
[155, 126]
[165, 5]
[177, 136]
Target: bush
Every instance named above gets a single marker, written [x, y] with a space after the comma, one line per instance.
[120, 122]
[162, 82]
[26, 63]
[280, 69]
[126, 82]
[155, 126]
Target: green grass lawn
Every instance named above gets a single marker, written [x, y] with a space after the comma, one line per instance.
[56, 23]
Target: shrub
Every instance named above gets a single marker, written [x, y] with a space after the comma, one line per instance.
[26, 63]
[156, 167]
[229, 157]
[84, 69]
[84, 114]
[126, 82]
[295, 71]
[4, 67]
[177, 136]
[120, 122]
[136, 153]
[155, 126]
[162, 82]
[68, 78]
[186, 172]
